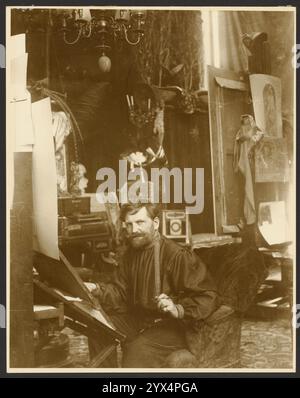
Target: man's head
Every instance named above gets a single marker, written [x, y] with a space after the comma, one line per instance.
[141, 222]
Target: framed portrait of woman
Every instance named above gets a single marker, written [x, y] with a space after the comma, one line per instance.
[271, 161]
[266, 98]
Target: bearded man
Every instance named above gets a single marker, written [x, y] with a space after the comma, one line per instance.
[162, 288]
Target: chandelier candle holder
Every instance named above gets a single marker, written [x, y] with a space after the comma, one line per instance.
[82, 24]
[100, 28]
[125, 24]
[79, 22]
[140, 117]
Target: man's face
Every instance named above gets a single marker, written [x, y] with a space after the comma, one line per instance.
[140, 228]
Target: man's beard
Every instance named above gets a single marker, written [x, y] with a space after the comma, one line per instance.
[140, 240]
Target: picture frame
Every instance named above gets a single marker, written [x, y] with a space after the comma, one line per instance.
[266, 98]
[271, 161]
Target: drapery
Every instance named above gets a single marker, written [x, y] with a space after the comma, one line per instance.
[171, 53]
[279, 25]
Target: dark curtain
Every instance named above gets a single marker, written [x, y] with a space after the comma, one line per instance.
[172, 39]
[187, 144]
[280, 27]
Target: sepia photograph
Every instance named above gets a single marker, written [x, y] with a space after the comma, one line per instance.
[150, 189]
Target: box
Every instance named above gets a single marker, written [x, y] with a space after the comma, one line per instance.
[70, 206]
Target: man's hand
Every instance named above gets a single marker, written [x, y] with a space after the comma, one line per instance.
[166, 305]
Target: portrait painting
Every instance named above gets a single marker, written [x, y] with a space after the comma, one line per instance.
[266, 98]
[271, 161]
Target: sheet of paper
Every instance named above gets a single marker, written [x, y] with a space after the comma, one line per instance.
[15, 48]
[38, 308]
[24, 148]
[23, 122]
[17, 45]
[272, 222]
[44, 181]
[20, 137]
[16, 59]
[18, 77]
[67, 297]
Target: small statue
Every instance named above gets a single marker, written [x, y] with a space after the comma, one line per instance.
[246, 139]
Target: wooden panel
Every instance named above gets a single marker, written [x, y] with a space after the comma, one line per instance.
[226, 105]
[21, 289]
[82, 312]
[61, 275]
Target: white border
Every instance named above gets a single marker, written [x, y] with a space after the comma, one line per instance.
[144, 370]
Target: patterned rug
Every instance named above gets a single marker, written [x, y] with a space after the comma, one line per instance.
[264, 345]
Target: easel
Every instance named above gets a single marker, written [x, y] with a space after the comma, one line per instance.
[83, 315]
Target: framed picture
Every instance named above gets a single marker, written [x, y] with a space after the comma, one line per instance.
[271, 161]
[228, 99]
[266, 97]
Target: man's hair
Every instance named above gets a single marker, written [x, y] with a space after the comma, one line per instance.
[153, 209]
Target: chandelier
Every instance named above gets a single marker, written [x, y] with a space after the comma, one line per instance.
[125, 25]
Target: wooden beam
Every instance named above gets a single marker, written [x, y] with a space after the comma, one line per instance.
[21, 258]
